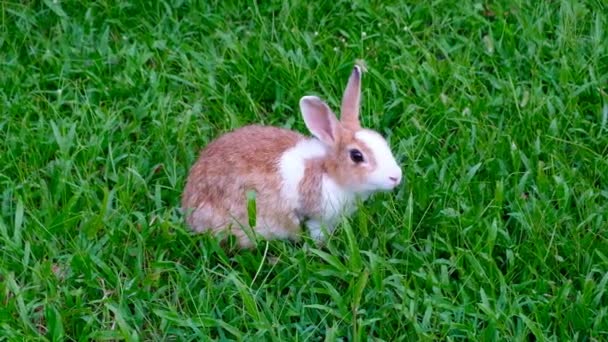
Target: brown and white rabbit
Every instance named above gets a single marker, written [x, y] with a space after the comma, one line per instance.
[297, 179]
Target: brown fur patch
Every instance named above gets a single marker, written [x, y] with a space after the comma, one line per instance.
[241, 160]
[310, 187]
[339, 165]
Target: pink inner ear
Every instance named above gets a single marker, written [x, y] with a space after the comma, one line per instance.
[319, 119]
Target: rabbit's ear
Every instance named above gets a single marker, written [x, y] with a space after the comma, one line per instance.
[319, 119]
[351, 101]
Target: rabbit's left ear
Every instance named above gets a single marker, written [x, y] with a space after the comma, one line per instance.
[320, 120]
[351, 101]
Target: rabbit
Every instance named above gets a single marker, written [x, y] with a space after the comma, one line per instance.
[297, 180]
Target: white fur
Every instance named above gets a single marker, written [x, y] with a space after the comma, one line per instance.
[316, 230]
[292, 165]
[335, 202]
[386, 165]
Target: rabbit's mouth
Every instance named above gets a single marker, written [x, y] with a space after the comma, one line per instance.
[378, 186]
[384, 179]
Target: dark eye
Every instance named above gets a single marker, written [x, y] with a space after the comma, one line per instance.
[356, 156]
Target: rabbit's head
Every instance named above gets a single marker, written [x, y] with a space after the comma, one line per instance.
[358, 159]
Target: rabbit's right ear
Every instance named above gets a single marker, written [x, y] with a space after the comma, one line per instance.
[351, 100]
[319, 119]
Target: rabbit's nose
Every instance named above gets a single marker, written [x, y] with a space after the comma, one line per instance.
[395, 179]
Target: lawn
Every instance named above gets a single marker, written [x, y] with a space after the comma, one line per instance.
[498, 114]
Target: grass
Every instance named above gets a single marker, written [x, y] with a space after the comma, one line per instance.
[498, 114]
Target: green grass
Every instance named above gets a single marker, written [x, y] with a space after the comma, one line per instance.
[498, 114]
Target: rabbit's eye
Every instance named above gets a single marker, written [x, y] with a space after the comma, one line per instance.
[356, 156]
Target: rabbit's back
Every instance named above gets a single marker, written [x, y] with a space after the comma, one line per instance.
[236, 162]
